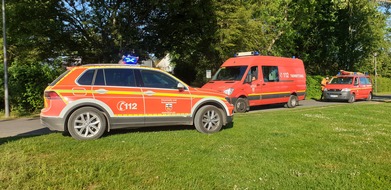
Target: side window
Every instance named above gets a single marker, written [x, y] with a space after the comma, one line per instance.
[355, 81]
[100, 78]
[270, 73]
[119, 77]
[86, 78]
[254, 73]
[156, 79]
[364, 81]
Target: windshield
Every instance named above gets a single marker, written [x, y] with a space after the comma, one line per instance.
[342, 80]
[230, 73]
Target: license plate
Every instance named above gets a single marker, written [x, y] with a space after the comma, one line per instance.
[334, 96]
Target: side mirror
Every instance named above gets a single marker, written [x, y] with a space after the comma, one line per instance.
[181, 87]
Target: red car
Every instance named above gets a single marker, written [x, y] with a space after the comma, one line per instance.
[348, 86]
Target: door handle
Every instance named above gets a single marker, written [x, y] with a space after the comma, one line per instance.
[101, 91]
[149, 93]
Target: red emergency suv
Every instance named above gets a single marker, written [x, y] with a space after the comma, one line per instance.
[348, 86]
[88, 100]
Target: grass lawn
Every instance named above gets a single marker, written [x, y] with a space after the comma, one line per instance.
[346, 146]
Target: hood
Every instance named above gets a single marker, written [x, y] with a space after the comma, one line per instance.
[219, 86]
[208, 92]
[338, 86]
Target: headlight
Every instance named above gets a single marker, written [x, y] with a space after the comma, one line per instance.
[325, 89]
[228, 91]
[345, 90]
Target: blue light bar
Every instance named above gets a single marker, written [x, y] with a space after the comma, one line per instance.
[130, 60]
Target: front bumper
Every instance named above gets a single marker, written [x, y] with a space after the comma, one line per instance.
[53, 123]
[337, 95]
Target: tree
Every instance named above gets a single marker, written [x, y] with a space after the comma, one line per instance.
[34, 30]
[335, 35]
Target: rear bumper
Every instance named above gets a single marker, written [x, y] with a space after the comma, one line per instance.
[53, 123]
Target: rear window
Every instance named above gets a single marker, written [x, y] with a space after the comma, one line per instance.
[59, 78]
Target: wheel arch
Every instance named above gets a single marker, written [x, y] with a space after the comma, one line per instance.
[69, 109]
[214, 102]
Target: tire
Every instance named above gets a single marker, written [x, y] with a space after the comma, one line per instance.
[86, 123]
[352, 98]
[292, 102]
[241, 105]
[208, 119]
[369, 98]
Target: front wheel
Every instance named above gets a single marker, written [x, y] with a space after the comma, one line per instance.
[352, 98]
[208, 119]
[293, 101]
[369, 98]
[241, 105]
[86, 123]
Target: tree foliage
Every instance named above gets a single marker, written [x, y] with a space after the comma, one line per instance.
[328, 35]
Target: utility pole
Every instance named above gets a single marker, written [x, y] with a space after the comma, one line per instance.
[374, 58]
[6, 103]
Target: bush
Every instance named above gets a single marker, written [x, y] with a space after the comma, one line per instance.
[314, 89]
[27, 83]
[383, 84]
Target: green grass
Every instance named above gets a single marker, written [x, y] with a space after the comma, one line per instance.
[344, 146]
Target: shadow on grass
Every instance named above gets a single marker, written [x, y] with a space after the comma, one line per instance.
[29, 134]
[158, 129]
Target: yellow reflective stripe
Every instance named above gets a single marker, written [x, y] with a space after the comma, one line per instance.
[139, 93]
[269, 93]
[123, 92]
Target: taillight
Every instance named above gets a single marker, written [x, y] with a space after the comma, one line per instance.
[51, 95]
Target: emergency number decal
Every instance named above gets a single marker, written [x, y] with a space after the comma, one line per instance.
[123, 106]
[287, 75]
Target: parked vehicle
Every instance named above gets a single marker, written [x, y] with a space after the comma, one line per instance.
[251, 80]
[88, 100]
[348, 86]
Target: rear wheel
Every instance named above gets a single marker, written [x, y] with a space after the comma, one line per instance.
[352, 98]
[86, 123]
[369, 98]
[292, 102]
[241, 105]
[208, 119]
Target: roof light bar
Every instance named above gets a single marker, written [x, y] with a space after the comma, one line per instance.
[248, 53]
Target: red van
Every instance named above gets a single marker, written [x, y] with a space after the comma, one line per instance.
[251, 80]
[348, 86]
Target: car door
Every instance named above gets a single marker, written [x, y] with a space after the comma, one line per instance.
[365, 87]
[254, 87]
[165, 104]
[270, 86]
[117, 89]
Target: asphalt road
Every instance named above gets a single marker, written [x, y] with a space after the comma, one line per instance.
[32, 126]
